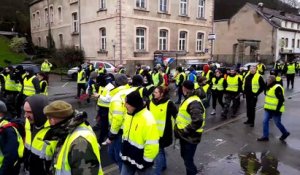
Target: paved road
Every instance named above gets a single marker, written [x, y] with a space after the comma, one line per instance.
[223, 141]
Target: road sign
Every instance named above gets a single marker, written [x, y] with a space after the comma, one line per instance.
[211, 36]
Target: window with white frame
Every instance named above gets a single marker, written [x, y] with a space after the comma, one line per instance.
[163, 5]
[141, 4]
[102, 4]
[61, 40]
[75, 25]
[286, 24]
[140, 38]
[102, 38]
[201, 9]
[199, 42]
[182, 40]
[293, 43]
[59, 12]
[183, 7]
[163, 39]
[51, 14]
[46, 16]
[33, 21]
[38, 17]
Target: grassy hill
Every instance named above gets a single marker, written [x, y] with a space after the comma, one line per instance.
[7, 55]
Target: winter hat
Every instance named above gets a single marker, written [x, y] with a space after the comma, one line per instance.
[206, 68]
[58, 109]
[134, 99]
[137, 80]
[188, 84]
[121, 79]
[3, 108]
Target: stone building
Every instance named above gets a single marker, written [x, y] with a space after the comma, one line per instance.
[256, 32]
[126, 31]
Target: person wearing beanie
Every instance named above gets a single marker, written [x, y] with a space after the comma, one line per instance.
[36, 125]
[77, 150]
[180, 78]
[137, 83]
[189, 125]
[140, 128]
[11, 144]
[207, 73]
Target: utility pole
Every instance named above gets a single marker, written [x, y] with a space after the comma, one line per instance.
[120, 30]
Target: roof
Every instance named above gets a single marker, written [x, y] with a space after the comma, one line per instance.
[274, 16]
[34, 2]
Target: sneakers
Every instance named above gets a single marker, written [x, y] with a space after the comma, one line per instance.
[263, 139]
[284, 136]
[213, 112]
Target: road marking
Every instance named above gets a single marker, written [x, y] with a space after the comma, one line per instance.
[65, 84]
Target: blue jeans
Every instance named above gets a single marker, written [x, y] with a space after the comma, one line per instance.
[277, 120]
[187, 151]
[114, 151]
[160, 162]
[131, 170]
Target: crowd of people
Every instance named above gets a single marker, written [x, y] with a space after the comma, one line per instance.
[136, 116]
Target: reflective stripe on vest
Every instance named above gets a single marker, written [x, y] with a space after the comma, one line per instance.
[184, 118]
[46, 88]
[271, 101]
[104, 92]
[20, 144]
[29, 89]
[232, 83]
[62, 166]
[159, 113]
[219, 86]
[80, 76]
[291, 69]
[255, 82]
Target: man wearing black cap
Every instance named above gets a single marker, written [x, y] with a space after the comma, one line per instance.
[189, 125]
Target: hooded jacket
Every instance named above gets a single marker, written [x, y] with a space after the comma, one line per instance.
[81, 157]
[36, 165]
[167, 138]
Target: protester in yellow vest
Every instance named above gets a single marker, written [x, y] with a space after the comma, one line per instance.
[261, 68]
[290, 69]
[11, 143]
[180, 78]
[43, 78]
[157, 78]
[218, 86]
[38, 154]
[163, 110]
[31, 84]
[140, 139]
[81, 81]
[278, 78]
[232, 93]
[274, 107]
[190, 122]
[46, 66]
[253, 86]
[77, 148]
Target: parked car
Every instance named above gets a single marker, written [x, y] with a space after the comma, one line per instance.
[29, 66]
[72, 73]
[245, 67]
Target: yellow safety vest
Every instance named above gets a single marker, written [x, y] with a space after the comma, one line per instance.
[271, 101]
[232, 83]
[29, 89]
[183, 118]
[101, 71]
[219, 86]
[178, 77]
[38, 146]
[20, 142]
[260, 68]
[205, 88]
[291, 69]
[45, 67]
[104, 91]
[207, 75]
[278, 79]
[46, 89]
[255, 82]
[159, 113]
[62, 166]
[10, 85]
[80, 76]
[196, 85]
[155, 79]
[140, 132]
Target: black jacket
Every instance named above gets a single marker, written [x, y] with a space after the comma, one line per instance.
[167, 138]
[248, 85]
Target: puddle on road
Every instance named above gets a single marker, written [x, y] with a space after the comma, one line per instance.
[293, 143]
[249, 163]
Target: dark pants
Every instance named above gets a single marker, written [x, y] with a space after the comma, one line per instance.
[187, 152]
[179, 93]
[290, 78]
[235, 99]
[103, 123]
[80, 86]
[251, 105]
[217, 95]
[114, 150]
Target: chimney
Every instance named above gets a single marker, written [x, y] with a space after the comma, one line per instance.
[282, 13]
[260, 6]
